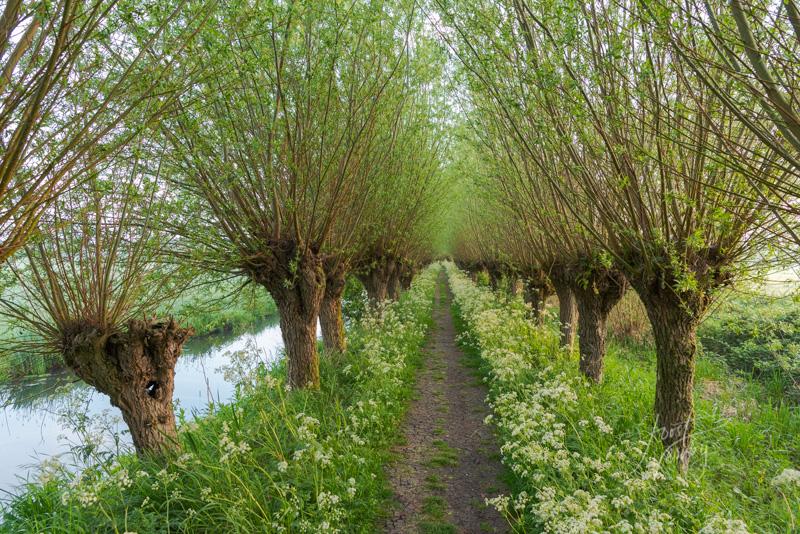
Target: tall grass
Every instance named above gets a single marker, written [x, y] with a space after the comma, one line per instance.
[273, 460]
[586, 457]
[754, 335]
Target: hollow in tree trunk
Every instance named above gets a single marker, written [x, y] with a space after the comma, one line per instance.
[594, 302]
[567, 314]
[136, 369]
[330, 315]
[674, 321]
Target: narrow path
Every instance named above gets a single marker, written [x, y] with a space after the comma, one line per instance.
[448, 464]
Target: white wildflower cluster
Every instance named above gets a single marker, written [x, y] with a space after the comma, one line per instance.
[50, 469]
[86, 488]
[380, 369]
[721, 525]
[788, 478]
[229, 446]
[330, 448]
[571, 489]
[243, 367]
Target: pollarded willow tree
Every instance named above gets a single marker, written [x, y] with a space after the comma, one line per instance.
[523, 167]
[402, 155]
[88, 286]
[540, 228]
[79, 79]
[275, 145]
[409, 196]
[638, 139]
[356, 221]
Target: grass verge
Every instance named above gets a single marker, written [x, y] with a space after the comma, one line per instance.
[271, 461]
[585, 458]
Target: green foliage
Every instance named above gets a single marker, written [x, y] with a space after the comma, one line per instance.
[274, 460]
[585, 457]
[354, 301]
[758, 335]
[208, 309]
[221, 308]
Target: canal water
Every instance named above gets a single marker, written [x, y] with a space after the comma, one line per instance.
[37, 416]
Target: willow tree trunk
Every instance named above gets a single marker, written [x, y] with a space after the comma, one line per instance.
[494, 279]
[514, 286]
[376, 283]
[674, 325]
[393, 286]
[136, 369]
[567, 314]
[406, 278]
[594, 304]
[536, 296]
[532, 297]
[297, 287]
[330, 315]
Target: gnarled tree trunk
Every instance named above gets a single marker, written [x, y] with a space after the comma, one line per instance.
[406, 278]
[567, 313]
[377, 279]
[296, 280]
[674, 321]
[136, 369]
[330, 315]
[536, 295]
[393, 286]
[594, 301]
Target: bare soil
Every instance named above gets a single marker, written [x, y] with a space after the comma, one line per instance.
[448, 464]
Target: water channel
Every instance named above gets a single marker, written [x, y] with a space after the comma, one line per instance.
[32, 412]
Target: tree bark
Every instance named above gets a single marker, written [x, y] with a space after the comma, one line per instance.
[293, 275]
[379, 280]
[674, 323]
[533, 297]
[298, 307]
[567, 314]
[591, 337]
[375, 284]
[595, 301]
[494, 279]
[136, 369]
[536, 296]
[393, 285]
[406, 278]
[330, 315]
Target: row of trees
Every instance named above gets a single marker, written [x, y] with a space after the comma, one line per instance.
[648, 144]
[287, 144]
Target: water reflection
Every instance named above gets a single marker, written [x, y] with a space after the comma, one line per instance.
[32, 426]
